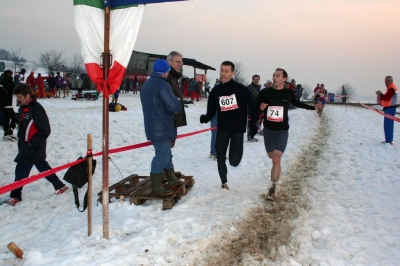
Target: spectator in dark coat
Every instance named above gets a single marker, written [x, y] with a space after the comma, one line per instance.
[344, 95]
[52, 85]
[176, 62]
[34, 129]
[6, 95]
[127, 84]
[134, 84]
[160, 106]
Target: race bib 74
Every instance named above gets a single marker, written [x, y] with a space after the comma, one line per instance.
[275, 113]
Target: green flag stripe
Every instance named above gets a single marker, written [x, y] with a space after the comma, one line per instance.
[98, 4]
[92, 3]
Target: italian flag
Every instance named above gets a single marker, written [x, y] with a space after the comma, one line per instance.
[125, 17]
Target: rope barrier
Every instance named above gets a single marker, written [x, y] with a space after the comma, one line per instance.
[33, 178]
[377, 111]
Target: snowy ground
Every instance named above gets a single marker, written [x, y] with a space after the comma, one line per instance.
[338, 198]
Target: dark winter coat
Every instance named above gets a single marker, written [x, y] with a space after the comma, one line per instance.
[34, 129]
[52, 82]
[173, 81]
[159, 106]
[6, 92]
[254, 89]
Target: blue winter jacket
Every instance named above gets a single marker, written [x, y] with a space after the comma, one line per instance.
[159, 106]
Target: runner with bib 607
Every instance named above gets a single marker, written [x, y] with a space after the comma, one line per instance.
[274, 102]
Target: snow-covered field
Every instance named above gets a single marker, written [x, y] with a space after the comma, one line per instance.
[340, 181]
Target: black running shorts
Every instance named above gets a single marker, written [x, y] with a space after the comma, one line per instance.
[275, 140]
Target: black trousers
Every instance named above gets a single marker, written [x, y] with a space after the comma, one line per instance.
[10, 120]
[235, 143]
[22, 171]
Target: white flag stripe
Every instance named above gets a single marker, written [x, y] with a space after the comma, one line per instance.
[124, 28]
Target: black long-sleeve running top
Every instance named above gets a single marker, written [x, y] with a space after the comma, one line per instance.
[276, 113]
[232, 101]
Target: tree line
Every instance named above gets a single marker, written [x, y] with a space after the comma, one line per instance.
[51, 60]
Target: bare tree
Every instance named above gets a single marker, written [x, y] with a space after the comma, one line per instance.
[52, 60]
[17, 62]
[307, 92]
[350, 90]
[76, 63]
[240, 71]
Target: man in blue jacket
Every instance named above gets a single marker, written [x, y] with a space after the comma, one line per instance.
[160, 106]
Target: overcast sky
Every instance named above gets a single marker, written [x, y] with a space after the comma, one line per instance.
[330, 41]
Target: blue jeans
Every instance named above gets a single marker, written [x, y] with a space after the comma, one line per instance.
[388, 124]
[163, 158]
[22, 171]
[214, 123]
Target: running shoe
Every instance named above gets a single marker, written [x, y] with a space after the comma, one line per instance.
[61, 190]
[10, 202]
[211, 156]
[271, 193]
[225, 186]
[253, 140]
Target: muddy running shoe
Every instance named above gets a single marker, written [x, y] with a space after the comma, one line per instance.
[384, 142]
[225, 186]
[10, 202]
[61, 190]
[271, 193]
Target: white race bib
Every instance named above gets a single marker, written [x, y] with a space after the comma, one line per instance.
[228, 103]
[275, 113]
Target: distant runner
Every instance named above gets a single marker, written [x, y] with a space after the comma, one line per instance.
[321, 92]
[274, 102]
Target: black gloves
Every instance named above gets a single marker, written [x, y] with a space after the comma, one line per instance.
[204, 119]
[253, 130]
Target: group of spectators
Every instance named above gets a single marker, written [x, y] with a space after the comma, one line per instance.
[191, 89]
[129, 83]
[55, 84]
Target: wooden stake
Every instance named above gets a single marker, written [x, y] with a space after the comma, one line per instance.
[106, 68]
[15, 250]
[89, 167]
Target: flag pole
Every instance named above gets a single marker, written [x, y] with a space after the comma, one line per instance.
[106, 66]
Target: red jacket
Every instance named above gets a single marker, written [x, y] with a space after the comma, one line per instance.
[31, 80]
[40, 82]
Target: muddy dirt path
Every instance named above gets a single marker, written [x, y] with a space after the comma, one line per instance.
[263, 238]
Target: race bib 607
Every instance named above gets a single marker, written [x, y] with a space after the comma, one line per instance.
[228, 102]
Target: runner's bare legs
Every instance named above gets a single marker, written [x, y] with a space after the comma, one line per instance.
[275, 171]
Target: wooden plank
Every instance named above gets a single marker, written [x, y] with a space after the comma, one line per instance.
[137, 186]
[168, 204]
[123, 181]
[138, 189]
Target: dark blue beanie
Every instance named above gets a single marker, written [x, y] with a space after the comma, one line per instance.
[161, 66]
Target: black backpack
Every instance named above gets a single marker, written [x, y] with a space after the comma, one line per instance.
[76, 175]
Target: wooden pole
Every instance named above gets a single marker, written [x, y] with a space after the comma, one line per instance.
[15, 250]
[105, 142]
[89, 167]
